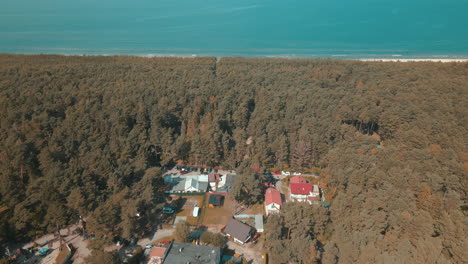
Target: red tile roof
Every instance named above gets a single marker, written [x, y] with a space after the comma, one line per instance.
[297, 179]
[273, 196]
[300, 188]
[157, 252]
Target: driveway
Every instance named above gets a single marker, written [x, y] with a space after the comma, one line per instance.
[253, 253]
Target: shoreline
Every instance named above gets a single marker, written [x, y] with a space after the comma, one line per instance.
[365, 58]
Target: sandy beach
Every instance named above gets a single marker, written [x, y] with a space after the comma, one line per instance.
[416, 60]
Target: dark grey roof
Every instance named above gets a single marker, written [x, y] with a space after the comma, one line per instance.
[238, 230]
[230, 179]
[215, 199]
[183, 253]
[202, 186]
[179, 185]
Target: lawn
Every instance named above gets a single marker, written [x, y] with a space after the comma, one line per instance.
[218, 215]
[189, 202]
[255, 209]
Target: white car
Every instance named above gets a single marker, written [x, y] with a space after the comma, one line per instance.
[297, 173]
[286, 173]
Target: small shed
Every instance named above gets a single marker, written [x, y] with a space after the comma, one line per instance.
[215, 200]
[259, 223]
[196, 210]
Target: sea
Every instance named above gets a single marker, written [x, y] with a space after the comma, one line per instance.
[261, 28]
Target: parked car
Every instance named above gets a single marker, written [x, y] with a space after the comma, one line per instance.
[44, 251]
[168, 210]
[133, 241]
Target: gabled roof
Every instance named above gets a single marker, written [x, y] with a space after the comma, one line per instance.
[196, 184]
[273, 196]
[238, 230]
[157, 252]
[297, 179]
[202, 186]
[179, 185]
[300, 188]
[191, 183]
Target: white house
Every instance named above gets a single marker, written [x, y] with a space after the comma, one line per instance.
[303, 192]
[273, 201]
[196, 183]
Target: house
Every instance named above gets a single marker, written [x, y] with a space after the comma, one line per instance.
[251, 220]
[303, 192]
[215, 200]
[300, 191]
[178, 185]
[239, 231]
[297, 179]
[193, 183]
[156, 255]
[182, 253]
[273, 201]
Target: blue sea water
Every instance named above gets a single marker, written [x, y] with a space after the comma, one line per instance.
[288, 28]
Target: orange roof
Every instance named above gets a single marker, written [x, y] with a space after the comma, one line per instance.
[157, 252]
[376, 136]
[297, 179]
[273, 196]
[300, 188]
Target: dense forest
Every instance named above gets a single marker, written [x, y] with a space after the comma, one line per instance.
[90, 136]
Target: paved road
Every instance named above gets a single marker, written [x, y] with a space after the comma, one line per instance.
[160, 233]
